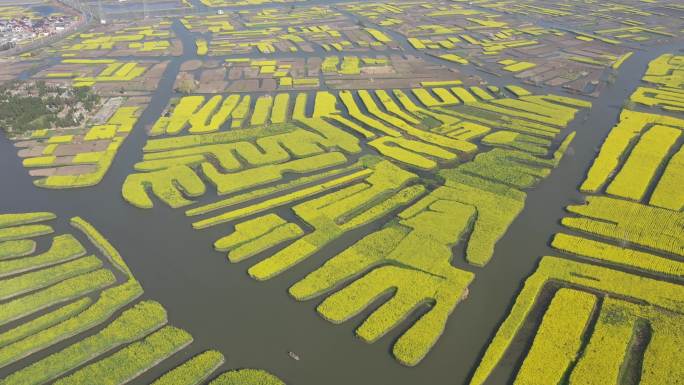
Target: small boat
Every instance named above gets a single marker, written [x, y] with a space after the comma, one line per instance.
[293, 355]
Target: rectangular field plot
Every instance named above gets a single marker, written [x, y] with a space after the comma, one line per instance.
[121, 39]
[93, 324]
[490, 37]
[80, 156]
[341, 160]
[242, 75]
[279, 30]
[665, 76]
[108, 77]
[618, 317]
[640, 155]
[591, 342]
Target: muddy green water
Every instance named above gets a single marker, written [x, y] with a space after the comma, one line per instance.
[255, 324]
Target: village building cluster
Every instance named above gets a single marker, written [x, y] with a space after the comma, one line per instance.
[26, 28]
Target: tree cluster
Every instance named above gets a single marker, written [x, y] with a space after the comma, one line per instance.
[37, 105]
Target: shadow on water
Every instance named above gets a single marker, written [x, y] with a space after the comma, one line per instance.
[256, 324]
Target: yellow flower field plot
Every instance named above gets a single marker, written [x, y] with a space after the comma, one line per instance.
[79, 157]
[393, 71]
[108, 76]
[296, 39]
[516, 66]
[382, 13]
[392, 130]
[355, 160]
[210, 23]
[298, 147]
[604, 325]
[115, 71]
[641, 159]
[123, 39]
[637, 176]
[633, 156]
[368, 194]
[443, 26]
[625, 307]
[65, 293]
[202, 48]
[633, 235]
[438, 37]
[496, 42]
[248, 75]
[289, 15]
[632, 22]
[349, 72]
[287, 30]
[666, 73]
[641, 165]
[631, 225]
[347, 65]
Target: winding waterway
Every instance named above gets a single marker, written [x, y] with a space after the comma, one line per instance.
[254, 323]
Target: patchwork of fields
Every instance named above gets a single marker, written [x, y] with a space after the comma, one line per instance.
[63, 278]
[368, 159]
[632, 219]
